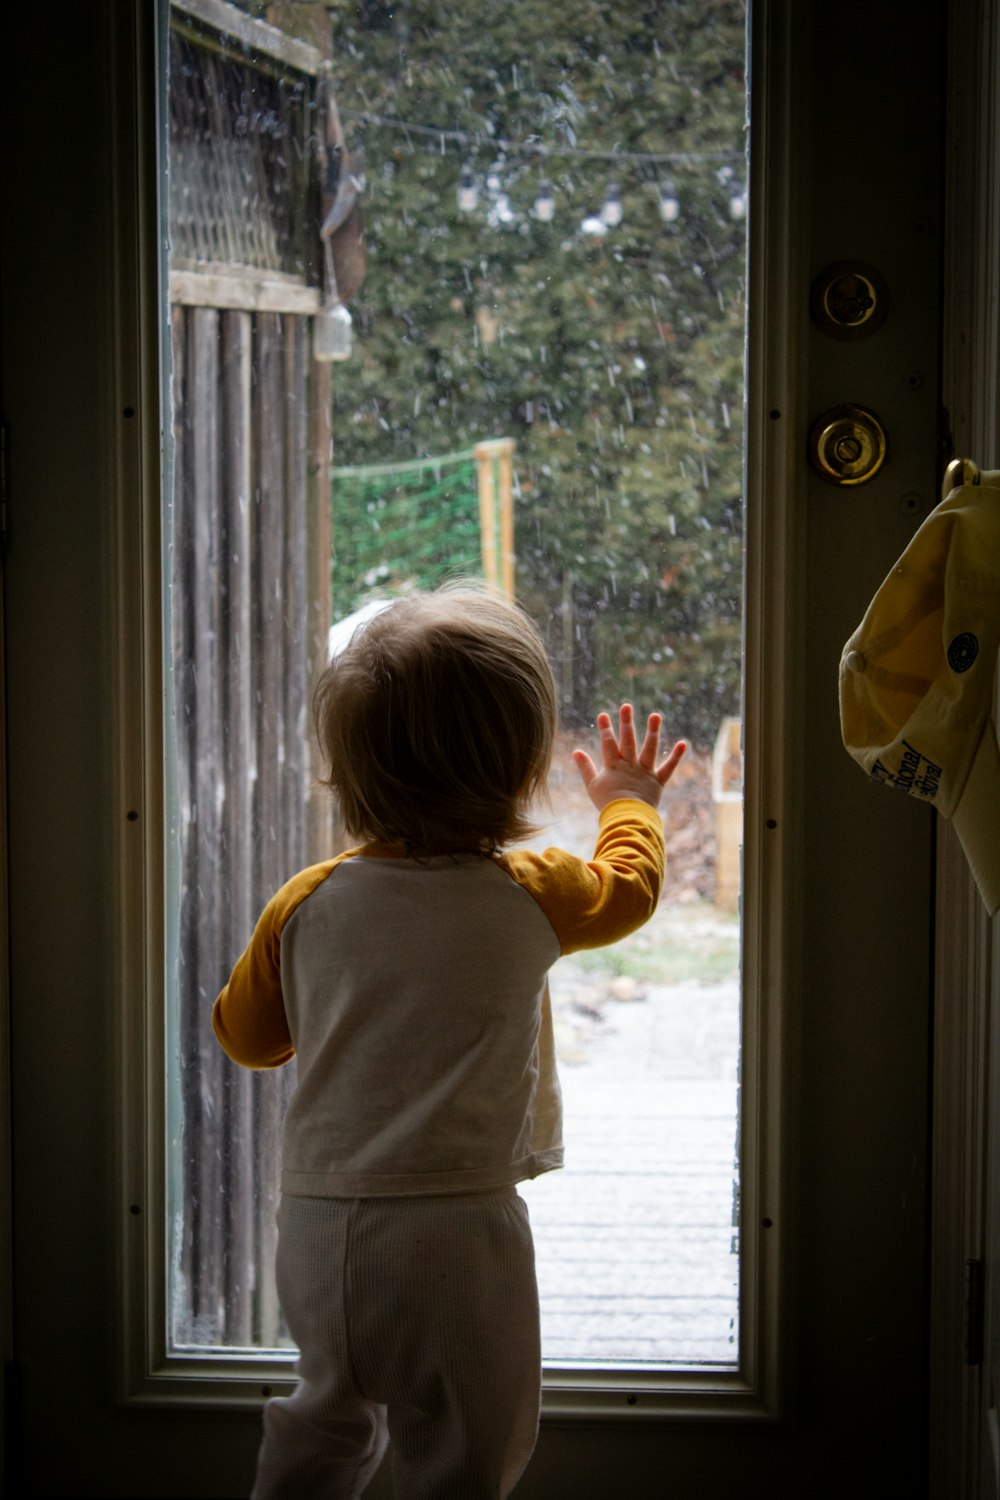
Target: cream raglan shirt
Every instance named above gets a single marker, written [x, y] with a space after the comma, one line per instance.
[414, 995]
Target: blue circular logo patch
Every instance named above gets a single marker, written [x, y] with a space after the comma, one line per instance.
[963, 651]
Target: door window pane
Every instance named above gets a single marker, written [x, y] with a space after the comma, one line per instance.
[544, 387]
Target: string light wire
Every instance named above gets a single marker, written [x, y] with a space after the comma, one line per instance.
[500, 149]
[503, 147]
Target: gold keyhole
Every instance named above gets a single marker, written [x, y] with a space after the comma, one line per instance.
[848, 450]
[847, 445]
[849, 300]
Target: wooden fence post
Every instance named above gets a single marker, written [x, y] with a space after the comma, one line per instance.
[498, 572]
[487, 511]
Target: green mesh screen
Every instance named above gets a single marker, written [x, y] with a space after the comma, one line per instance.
[402, 526]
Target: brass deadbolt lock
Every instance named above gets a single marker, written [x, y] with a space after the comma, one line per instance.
[849, 300]
[847, 445]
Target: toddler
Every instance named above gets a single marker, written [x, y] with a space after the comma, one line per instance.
[408, 977]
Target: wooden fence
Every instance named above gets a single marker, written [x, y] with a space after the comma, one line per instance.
[254, 140]
[245, 629]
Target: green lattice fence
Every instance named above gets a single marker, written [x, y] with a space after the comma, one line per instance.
[413, 525]
[402, 526]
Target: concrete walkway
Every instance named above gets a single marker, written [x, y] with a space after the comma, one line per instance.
[635, 1237]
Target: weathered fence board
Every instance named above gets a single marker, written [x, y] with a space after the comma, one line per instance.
[242, 651]
[238, 772]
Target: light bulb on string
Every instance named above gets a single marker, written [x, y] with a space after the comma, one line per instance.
[611, 209]
[669, 206]
[501, 212]
[468, 193]
[545, 204]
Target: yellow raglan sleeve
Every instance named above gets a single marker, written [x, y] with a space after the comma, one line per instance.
[591, 904]
[249, 1015]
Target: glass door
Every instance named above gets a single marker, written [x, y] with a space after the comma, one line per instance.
[539, 382]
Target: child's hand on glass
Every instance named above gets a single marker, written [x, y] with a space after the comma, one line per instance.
[626, 770]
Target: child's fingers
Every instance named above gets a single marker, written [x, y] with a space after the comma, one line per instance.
[585, 766]
[651, 744]
[626, 732]
[669, 766]
[609, 742]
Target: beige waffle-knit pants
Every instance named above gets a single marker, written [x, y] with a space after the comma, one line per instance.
[416, 1320]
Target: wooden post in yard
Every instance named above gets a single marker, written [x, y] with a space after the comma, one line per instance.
[487, 511]
[505, 472]
[498, 571]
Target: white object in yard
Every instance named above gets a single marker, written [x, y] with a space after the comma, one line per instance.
[339, 635]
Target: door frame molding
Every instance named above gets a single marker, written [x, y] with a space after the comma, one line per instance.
[759, 1390]
[964, 934]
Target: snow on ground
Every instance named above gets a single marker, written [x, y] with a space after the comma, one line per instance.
[635, 1236]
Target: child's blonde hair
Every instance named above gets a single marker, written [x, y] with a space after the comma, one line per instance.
[437, 722]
